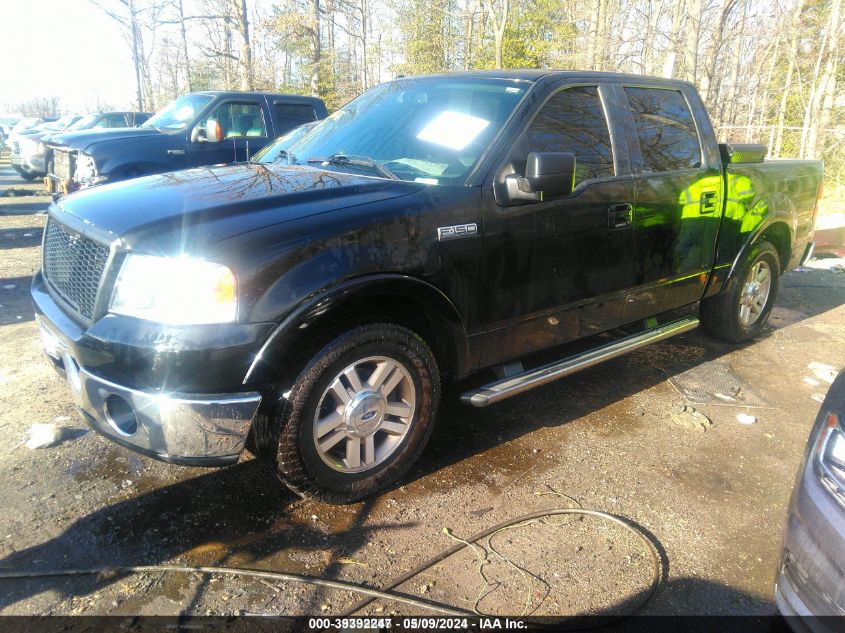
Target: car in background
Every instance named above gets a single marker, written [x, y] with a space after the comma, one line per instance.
[810, 586]
[201, 128]
[42, 160]
[278, 149]
[25, 144]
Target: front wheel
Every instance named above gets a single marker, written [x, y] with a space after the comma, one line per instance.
[356, 417]
[740, 311]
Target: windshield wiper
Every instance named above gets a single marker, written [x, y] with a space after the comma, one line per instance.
[357, 161]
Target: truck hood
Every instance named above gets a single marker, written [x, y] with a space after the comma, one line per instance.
[83, 139]
[188, 211]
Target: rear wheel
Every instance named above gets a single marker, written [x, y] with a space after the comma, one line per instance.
[740, 311]
[356, 417]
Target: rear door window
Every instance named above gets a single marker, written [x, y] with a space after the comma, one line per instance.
[665, 129]
[573, 120]
[291, 115]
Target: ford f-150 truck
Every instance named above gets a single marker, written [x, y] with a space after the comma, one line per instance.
[201, 128]
[434, 228]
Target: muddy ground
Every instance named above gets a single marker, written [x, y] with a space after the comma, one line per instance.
[714, 501]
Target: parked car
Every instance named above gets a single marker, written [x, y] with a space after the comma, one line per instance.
[811, 576]
[27, 150]
[432, 228]
[278, 149]
[43, 159]
[202, 128]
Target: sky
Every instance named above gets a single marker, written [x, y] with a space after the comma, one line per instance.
[64, 48]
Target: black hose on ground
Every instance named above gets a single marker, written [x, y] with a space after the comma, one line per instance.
[388, 591]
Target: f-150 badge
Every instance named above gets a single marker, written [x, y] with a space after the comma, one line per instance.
[454, 232]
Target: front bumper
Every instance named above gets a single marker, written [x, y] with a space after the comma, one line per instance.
[202, 428]
[188, 429]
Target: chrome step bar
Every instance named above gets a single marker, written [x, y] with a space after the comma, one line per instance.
[507, 387]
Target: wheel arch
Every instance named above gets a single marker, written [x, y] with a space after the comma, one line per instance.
[392, 298]
[778, 233]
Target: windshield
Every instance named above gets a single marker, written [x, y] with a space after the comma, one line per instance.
[178, 114]
[61, 124]
[430, 130]
[276, 150]
[85, 122]
[26, 124]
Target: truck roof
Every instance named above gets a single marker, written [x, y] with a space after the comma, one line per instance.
[531, 74]
[252, 93]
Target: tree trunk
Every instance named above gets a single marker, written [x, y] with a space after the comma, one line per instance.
[188, 79]
[787, 86]
[810, 107]
[593, 33]
[315, 48]
[246, 50]
[674, 36]
[652, 22]
[693, 37]
[365, 14]
[827, 86]
[500, 23]
[136, 59]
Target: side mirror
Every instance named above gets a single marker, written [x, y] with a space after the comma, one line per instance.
[547, 175]
[213, 131]
[195, 135]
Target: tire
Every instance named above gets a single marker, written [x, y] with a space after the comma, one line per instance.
[390, 425]
[28, 176]
[740, 311]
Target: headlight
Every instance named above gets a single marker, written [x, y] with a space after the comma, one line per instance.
[830, 457]
[176, 290]
[86, 169]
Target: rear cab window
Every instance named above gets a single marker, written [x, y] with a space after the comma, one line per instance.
[665, 129]
[291, 115]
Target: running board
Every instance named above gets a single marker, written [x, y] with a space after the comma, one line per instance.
[507, 387]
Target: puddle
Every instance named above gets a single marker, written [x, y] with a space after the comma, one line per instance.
[112, 465]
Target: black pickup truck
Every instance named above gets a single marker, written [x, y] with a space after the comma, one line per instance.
[201, 128]
[434, 228]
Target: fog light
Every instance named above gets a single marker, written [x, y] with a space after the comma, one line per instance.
[120, 415]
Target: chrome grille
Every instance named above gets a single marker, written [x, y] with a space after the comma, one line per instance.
[62, 165]
[73, 266]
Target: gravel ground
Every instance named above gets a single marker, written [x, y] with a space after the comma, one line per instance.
[713, 499]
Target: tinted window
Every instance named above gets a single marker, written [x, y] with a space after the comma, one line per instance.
[665, 127]
[573, 121]
[292, 115]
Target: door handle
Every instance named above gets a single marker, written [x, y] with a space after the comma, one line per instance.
[619, 216]
[708, 202]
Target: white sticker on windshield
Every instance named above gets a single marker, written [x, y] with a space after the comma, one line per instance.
[426, 181]
[453, 129]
